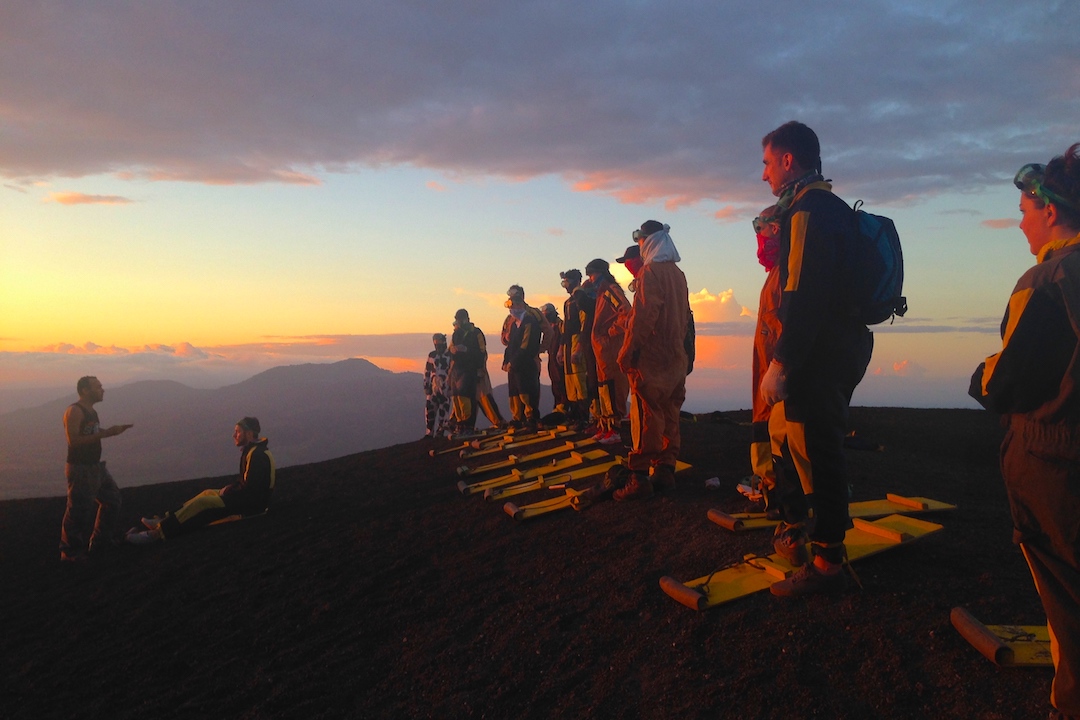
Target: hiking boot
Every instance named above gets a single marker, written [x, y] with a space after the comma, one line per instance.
[638, 487]
[810, 580]
[610, 438]
[789, 541]
[662, 477]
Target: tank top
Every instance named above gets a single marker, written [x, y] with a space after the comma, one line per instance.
[89, 454]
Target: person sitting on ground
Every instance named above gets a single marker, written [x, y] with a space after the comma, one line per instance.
[249, 495]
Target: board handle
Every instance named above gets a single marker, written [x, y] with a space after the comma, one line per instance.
[682, 594]
[725, 521]
[980, 637]
[907, 502]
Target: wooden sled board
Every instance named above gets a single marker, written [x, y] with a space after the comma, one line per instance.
[742, 522]
[1005, 645]
[520, 460]
[464, 442]
[516, 476]
[524, 512]
[546, 436]
[544, 506]
[756, 573]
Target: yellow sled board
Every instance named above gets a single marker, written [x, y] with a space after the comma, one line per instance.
[543, 507]
[758, 573]
[491, 435]
[546, 436]
[1005, 645]
[517, 475]
[537, 478]
[519, 460]
[741, 522]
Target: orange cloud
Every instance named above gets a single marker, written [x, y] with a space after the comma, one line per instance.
[630, 190]
[77, 198]
[1000, 223]
[729, 213]
[901, 368]
[722, 307]
[436, 186]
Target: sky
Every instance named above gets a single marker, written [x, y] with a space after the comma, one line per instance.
[199, 191]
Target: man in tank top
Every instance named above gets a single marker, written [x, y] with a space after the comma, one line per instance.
[93, 500]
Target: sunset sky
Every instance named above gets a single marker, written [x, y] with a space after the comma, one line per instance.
[201, 190]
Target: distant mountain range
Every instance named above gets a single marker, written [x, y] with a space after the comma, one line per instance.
[309, 412]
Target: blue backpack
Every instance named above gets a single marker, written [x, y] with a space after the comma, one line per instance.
[878, 271]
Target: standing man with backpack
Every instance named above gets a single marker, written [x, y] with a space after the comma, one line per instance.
[821, 355]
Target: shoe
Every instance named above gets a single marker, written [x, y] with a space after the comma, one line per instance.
[750, 487]
[152, 523]
[73, 558]
[146, 537]
[610, 438]
[789, 541]
[638, 487]
[809, 580]
[662, 477]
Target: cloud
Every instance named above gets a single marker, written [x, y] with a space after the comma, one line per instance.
[436, 186]
[719, 308]
[77, 198]
[901, 368]
[931, 96]
[1000, 224]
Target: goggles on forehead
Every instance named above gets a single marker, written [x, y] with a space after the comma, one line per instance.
[1029, 179]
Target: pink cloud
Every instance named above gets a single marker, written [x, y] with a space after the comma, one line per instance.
[1000, 223]
[436, 186]
[77, 198]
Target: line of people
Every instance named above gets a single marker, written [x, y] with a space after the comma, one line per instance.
[607, 360]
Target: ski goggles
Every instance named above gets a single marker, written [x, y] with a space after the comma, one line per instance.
[1029, 179]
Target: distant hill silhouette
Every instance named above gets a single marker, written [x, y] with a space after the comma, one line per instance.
[310, 412]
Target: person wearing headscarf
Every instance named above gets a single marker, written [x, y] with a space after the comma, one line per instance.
[654, 358]
[767, 229]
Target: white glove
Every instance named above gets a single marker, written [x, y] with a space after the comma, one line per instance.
[773, 387]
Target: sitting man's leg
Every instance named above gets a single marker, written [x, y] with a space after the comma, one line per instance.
[199, 511]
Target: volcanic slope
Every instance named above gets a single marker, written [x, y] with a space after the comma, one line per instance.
[374, 589]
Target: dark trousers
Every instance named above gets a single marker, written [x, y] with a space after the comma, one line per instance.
[93, 505]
